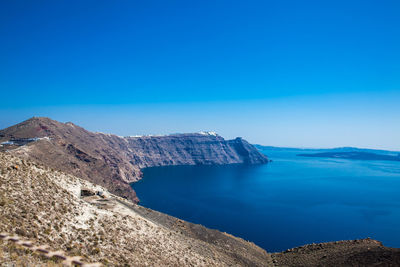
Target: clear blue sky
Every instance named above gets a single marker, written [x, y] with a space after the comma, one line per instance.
[284, 73]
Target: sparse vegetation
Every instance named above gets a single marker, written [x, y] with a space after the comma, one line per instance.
[45, 206]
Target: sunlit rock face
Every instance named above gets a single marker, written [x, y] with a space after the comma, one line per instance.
[114, 161]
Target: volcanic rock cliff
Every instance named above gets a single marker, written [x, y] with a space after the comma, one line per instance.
[60, 214]
[113, 161]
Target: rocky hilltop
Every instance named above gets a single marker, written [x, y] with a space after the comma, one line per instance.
[114, 161]
[61, 213]
[60, 216]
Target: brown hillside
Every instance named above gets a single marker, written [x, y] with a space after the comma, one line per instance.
[113, 161]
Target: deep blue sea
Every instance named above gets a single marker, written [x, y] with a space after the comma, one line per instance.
[287, 203]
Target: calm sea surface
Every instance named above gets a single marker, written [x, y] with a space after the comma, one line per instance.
[287, 203]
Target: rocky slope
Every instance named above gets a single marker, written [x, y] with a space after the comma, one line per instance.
[113, 161]
[363, 252]
[47, 207]
[78, 218]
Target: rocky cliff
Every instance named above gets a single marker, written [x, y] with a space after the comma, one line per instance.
[113, 161]
[47, 208]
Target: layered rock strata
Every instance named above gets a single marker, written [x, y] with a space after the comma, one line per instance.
[113, 161]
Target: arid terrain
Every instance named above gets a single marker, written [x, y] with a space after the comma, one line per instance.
[114, 161]
[46, 206]
[55, 210]
[67, 213]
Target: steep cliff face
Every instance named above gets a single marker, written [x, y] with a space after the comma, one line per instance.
[113, 161]
[192, 149]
